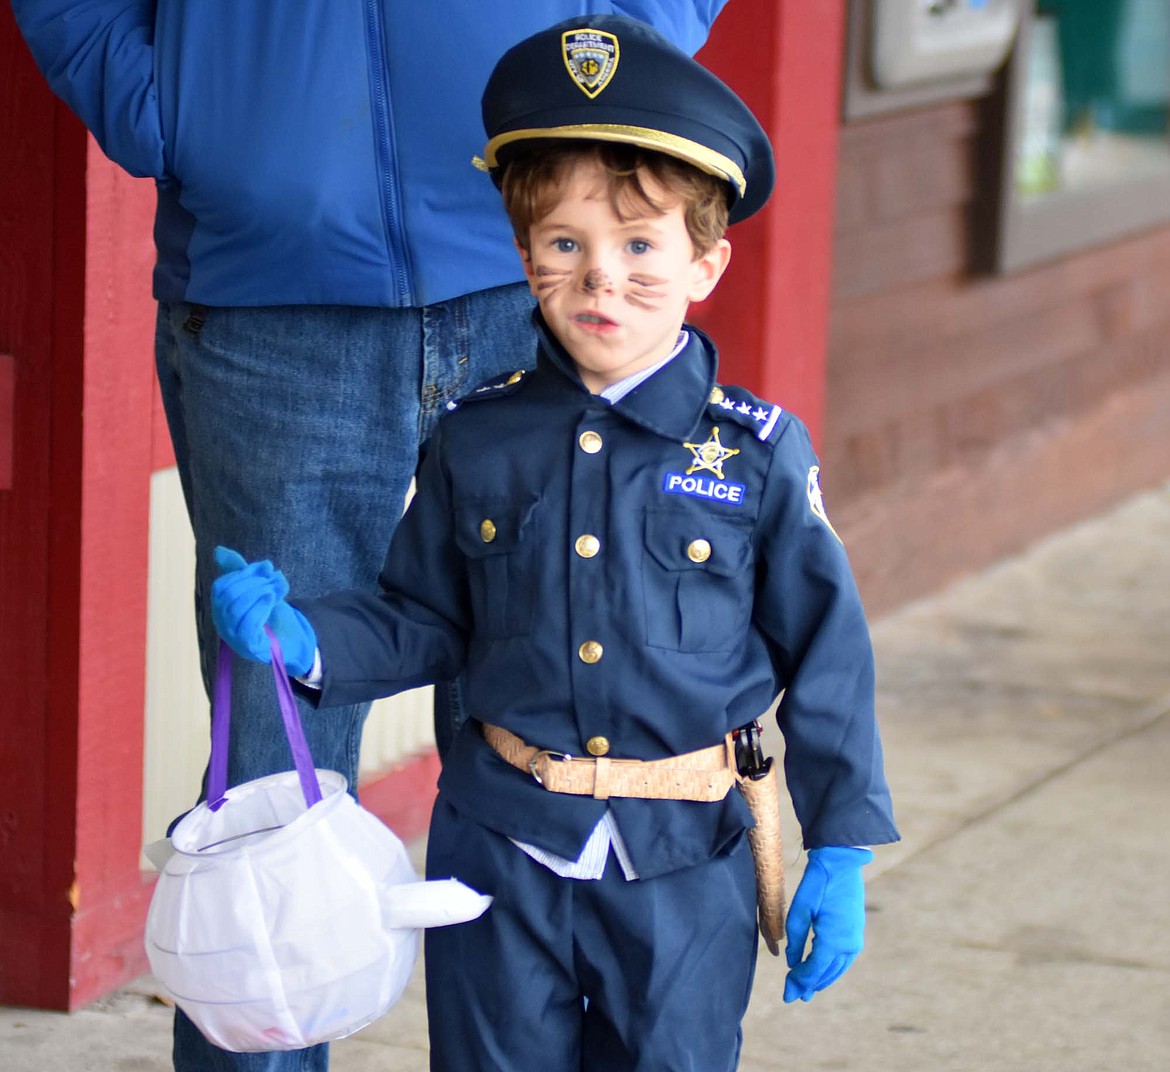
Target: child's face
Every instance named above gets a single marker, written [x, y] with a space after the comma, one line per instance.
[613, 291]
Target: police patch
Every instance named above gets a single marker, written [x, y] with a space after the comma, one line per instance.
[591, 57]
[699, 487]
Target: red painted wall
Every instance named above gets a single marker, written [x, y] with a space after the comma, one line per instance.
[110, 894]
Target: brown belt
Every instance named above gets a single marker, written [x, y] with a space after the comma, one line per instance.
[707, 774]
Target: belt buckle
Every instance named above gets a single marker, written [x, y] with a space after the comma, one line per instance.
[564, 757]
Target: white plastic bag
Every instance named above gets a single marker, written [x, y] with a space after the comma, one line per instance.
[287, 914]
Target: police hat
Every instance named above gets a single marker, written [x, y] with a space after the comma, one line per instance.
[609, 78]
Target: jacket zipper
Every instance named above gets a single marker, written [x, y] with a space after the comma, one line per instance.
[384, 129]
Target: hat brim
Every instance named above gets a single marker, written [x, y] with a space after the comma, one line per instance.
[701, 156]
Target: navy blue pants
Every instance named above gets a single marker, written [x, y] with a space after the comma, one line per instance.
[565, 975]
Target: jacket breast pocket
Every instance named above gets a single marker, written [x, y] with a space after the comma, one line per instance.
[499, 540]
[697, 581]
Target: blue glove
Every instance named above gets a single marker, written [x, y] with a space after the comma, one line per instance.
[830, 899]
[249, 595]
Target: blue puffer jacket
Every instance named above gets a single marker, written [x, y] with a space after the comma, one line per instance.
[316, 151]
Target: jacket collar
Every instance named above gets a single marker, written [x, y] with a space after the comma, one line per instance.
[670, 403]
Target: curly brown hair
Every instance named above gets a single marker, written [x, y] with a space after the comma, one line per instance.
[533, 180]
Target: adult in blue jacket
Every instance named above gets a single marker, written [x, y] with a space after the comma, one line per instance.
[331, 271]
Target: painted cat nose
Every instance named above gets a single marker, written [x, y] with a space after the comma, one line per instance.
[596, 279]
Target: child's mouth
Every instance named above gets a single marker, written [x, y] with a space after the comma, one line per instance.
[594, 320]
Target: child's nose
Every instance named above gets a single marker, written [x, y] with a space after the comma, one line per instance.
[596, 280]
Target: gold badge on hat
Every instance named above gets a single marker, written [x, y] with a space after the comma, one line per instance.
[591, 57]
[710, 456]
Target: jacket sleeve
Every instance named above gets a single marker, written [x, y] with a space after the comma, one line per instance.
[411, 632]
[809, 610]
[685, 22]
[98, 56]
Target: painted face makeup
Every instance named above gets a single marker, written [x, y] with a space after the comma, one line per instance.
[596, 279]
[642, 293]
[548, 279]
[615, 291]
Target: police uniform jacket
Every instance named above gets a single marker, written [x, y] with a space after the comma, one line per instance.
[652, 572]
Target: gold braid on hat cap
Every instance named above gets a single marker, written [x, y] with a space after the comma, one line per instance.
[704, 158]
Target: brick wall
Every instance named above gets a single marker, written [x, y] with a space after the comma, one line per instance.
[969, 414]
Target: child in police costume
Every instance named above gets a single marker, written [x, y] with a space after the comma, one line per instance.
[628, 561]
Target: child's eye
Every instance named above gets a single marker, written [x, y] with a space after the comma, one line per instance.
[564, 245]
[638, 246]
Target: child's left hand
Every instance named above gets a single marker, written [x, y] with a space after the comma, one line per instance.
[831, 900]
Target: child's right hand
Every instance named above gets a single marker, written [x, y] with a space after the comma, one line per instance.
[249, 595]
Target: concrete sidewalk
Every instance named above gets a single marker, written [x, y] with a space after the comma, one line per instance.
[1022, 925]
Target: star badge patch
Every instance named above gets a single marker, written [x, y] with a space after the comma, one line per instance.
[709, 456]
[591, 58]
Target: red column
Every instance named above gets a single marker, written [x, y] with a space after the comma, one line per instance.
[37, 757]
[74, 307]
[770, 313]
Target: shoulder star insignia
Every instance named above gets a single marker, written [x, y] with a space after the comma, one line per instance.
[764, 416]
[709, 456]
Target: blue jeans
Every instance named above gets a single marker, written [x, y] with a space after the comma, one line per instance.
[296, 433]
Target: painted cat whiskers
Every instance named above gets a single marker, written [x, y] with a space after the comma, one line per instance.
[643, 297]
[549, 280]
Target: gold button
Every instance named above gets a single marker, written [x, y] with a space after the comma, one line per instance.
[587, 545]
[590, 652]
[717, 395]
[597, 746]
[516, 377]
[487, 530]
[590, 442]
[698, 550]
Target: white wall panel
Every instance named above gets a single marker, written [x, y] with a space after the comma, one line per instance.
[177, 720]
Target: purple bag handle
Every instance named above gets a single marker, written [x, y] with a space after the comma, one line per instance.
[221, 717]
